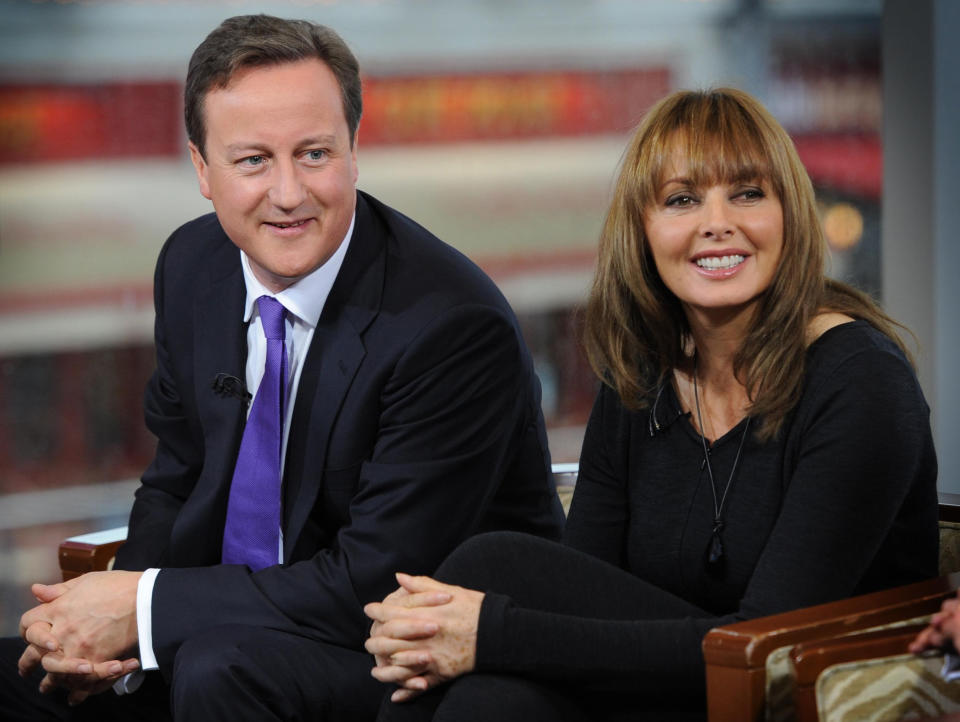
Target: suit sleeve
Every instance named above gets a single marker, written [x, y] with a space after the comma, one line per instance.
[452, 412]
[168, 481]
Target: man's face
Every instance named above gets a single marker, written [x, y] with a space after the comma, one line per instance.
[280, 168]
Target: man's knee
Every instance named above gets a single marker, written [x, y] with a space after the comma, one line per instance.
[209, 663]
[215, 677]
[252, 673]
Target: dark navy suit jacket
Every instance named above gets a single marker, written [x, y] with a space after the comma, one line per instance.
[417, 423]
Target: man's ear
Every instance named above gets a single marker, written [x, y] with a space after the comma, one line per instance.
[202, 170]
[353, 155]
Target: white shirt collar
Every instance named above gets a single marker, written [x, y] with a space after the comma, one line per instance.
[305, 298]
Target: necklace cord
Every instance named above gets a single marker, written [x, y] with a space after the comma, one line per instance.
[716, 546]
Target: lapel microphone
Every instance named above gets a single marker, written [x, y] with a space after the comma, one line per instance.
[654, 425]
[226, 385]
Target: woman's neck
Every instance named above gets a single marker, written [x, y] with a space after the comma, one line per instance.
[708, 376]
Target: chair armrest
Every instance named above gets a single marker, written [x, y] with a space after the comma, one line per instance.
[736, 654]
[811, 658]
[949, 506]
[90, 552]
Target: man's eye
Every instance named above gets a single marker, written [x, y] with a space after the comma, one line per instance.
[253, 160]
[316, 154]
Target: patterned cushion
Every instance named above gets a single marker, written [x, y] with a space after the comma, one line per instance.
[949, 547]
[886, 689]
[780, 686]
[566, 496]
[781, 680]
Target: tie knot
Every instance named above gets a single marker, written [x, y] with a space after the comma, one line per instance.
[271, 317]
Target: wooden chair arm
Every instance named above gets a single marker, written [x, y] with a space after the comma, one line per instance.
[736, 654]
[565, 474]
[90, 552]
[949, 506]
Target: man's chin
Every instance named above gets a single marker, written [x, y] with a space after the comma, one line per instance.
[278, 278]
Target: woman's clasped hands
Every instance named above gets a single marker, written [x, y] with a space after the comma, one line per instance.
[423, 634]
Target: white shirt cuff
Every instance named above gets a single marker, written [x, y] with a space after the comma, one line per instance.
[129, 683]
[148, 660]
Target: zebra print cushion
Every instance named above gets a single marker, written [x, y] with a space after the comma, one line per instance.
[886, 689]
[949, 547]
[781, 681]
[780, 685]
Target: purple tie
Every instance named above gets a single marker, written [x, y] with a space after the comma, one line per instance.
[252, 532]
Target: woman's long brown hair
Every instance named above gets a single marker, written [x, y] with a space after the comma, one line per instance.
[636, 331]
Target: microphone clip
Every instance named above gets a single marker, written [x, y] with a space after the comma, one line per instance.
[226, 385]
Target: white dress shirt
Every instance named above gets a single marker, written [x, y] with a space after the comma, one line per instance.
[304, 302]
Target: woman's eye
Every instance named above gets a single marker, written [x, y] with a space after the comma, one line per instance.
[680, 199]
[752, 194]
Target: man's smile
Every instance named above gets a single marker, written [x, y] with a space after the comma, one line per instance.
[293, 224]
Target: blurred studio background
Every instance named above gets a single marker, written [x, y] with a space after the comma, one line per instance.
[497, 124]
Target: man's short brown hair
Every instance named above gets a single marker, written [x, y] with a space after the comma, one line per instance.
[247, 41]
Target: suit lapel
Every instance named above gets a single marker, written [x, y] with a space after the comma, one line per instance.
[335, 355]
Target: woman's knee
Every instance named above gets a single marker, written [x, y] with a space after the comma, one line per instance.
[479, 560]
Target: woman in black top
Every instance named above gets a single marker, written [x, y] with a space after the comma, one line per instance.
[760, 443]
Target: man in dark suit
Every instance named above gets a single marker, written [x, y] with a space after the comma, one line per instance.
[409, 413]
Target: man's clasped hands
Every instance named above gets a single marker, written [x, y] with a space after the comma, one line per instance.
[83, 633]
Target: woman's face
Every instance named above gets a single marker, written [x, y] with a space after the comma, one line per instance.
[715, 247]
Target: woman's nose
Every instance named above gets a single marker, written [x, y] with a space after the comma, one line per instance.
[716, 220]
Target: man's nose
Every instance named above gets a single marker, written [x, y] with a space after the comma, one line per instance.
[287, 191]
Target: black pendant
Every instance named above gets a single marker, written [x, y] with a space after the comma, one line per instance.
[715, 551]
